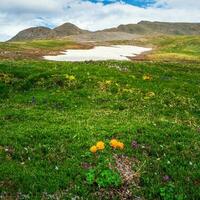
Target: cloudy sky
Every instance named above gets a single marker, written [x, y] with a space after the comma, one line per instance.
[16, 15]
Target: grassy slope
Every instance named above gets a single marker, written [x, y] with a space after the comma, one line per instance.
[48, 124]
[180, 48]
[36, 49]
[164, 48]
[169, 48]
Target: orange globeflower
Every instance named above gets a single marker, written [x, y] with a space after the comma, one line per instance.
[120, 145]
[93, 149]
[100, 145]
[114, 143]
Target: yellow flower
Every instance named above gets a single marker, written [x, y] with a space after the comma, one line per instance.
[108, 82]
[150, 94]
[147, 77]
[120, 145]
[93, 149]
[100, 145]
[127, 90]
[114, 143]
[71, 77]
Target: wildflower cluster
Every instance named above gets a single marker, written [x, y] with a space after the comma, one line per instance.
[6, 78]
[70, 77]
[109, 86]
[127, 90]
[149, 95]
[147, 78]
[99, 146]
[108, 82]
[104, 172]
[116, 144]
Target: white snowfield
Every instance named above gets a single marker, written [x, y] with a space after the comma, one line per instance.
[115, 52]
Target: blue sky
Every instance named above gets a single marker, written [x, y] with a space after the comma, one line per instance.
[16, 15]
[139, 3]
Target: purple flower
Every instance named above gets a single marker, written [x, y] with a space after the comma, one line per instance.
[86, 165]
[134, 144]
[166, 178]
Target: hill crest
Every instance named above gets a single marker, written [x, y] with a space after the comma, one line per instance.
[141, 28]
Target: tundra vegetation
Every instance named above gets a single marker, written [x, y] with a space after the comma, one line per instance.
[100, 130]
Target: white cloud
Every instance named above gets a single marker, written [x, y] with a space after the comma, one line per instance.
[179, 4]
[20, 14]
[31, 6]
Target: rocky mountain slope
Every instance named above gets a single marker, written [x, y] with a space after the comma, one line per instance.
[47, 33]
[102, 36]
[142, 28]
[34, 33]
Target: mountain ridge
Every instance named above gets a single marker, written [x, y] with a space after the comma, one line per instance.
[141, 28]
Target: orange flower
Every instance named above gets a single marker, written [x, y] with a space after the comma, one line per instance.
[93, 149]
[114, 143]
[120, 145]
[100, 145]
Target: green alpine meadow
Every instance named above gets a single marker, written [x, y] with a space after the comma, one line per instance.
[102, 130]
[99, 100]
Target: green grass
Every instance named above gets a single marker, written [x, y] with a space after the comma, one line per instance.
[189, 45]
[165, 47]
[175, 47]
[48, 124]
[169, 48]
[40, 44]
[35, 49]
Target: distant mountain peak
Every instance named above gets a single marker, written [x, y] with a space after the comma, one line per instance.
[67, 29]
[168, 28]
[34, 33]
[40, 32]
[143, 22]
[142, 28]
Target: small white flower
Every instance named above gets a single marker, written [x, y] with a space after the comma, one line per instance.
[56, 167]
[190, 163]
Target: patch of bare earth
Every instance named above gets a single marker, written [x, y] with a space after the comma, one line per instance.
[38, 53]
[130, 178]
